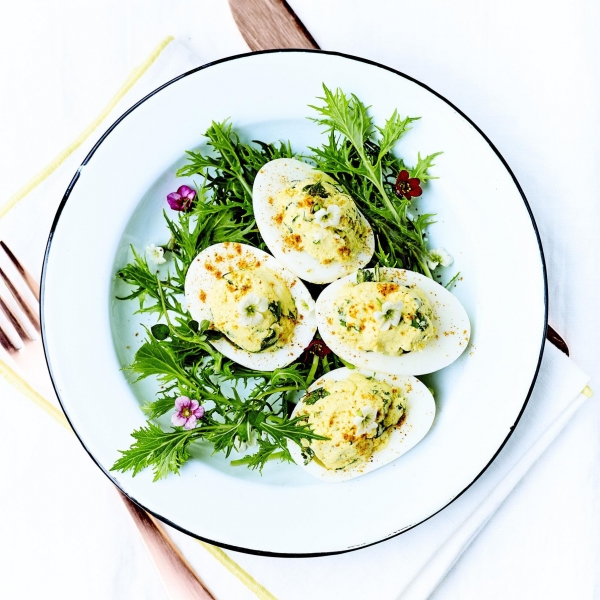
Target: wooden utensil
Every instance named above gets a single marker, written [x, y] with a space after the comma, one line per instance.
[20, 337]
[266, 24]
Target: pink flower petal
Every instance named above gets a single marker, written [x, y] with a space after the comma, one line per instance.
[186, 192]
[199, 412]
[176, 201]
[182, 402]
[194, 404]
[178, 420]
[191, 423]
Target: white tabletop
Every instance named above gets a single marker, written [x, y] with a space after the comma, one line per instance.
[526, 72]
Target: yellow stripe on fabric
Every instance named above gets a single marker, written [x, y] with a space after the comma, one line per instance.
[236, 570]
[50, 168]
[20, 384]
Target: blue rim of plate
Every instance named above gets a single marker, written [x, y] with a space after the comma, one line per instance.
[237, 57]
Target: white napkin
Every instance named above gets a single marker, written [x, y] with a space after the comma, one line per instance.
[28, 237]
[409, 566]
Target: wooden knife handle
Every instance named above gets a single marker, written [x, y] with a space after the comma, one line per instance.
[554, 338]
[267, 24]
[179, 579]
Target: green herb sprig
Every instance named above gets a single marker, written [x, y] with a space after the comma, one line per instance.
[359, 155]
[242, 405]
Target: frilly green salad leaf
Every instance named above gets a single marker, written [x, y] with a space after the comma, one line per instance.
[359, 155]
[245, 410]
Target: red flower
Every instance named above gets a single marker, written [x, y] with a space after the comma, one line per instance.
[318, 347]
[406, 186]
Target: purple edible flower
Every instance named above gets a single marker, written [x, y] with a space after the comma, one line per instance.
[182, 199]
[187, 412]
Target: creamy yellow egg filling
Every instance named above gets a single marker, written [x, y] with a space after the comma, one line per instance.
[254, 308]
[357, 414]
[382, 317]
[315, 216]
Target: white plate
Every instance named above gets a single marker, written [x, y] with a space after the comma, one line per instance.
[115, 199]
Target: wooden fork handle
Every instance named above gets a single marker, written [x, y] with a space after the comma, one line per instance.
[178, 577]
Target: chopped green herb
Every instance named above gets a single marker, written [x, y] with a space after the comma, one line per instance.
[315, 395]
[363, 275]
[269, 340]
[275, 308]
[307, 454]
[419, 322]
[316, 189]
[368, 275]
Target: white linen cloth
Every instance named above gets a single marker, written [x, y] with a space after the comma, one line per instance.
[410, 566]
[115, 562]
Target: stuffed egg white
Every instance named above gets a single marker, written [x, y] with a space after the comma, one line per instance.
[370, 419]
[392, 321]
[309, 223]
[265, 313]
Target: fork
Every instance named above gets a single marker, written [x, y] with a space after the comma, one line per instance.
[20, 336]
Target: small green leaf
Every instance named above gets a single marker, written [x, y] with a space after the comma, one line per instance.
[164, 451]
[159, 407]
[160, 331]
[256, 417]
[213, 334]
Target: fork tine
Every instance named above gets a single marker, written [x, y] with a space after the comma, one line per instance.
[10, 315]
[20, 300]
[6, 343]
[32, 284]
[9, 331]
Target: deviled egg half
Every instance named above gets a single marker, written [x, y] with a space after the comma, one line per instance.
[265, 313]
[393, 321]
[309, 223]
[370, 419]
